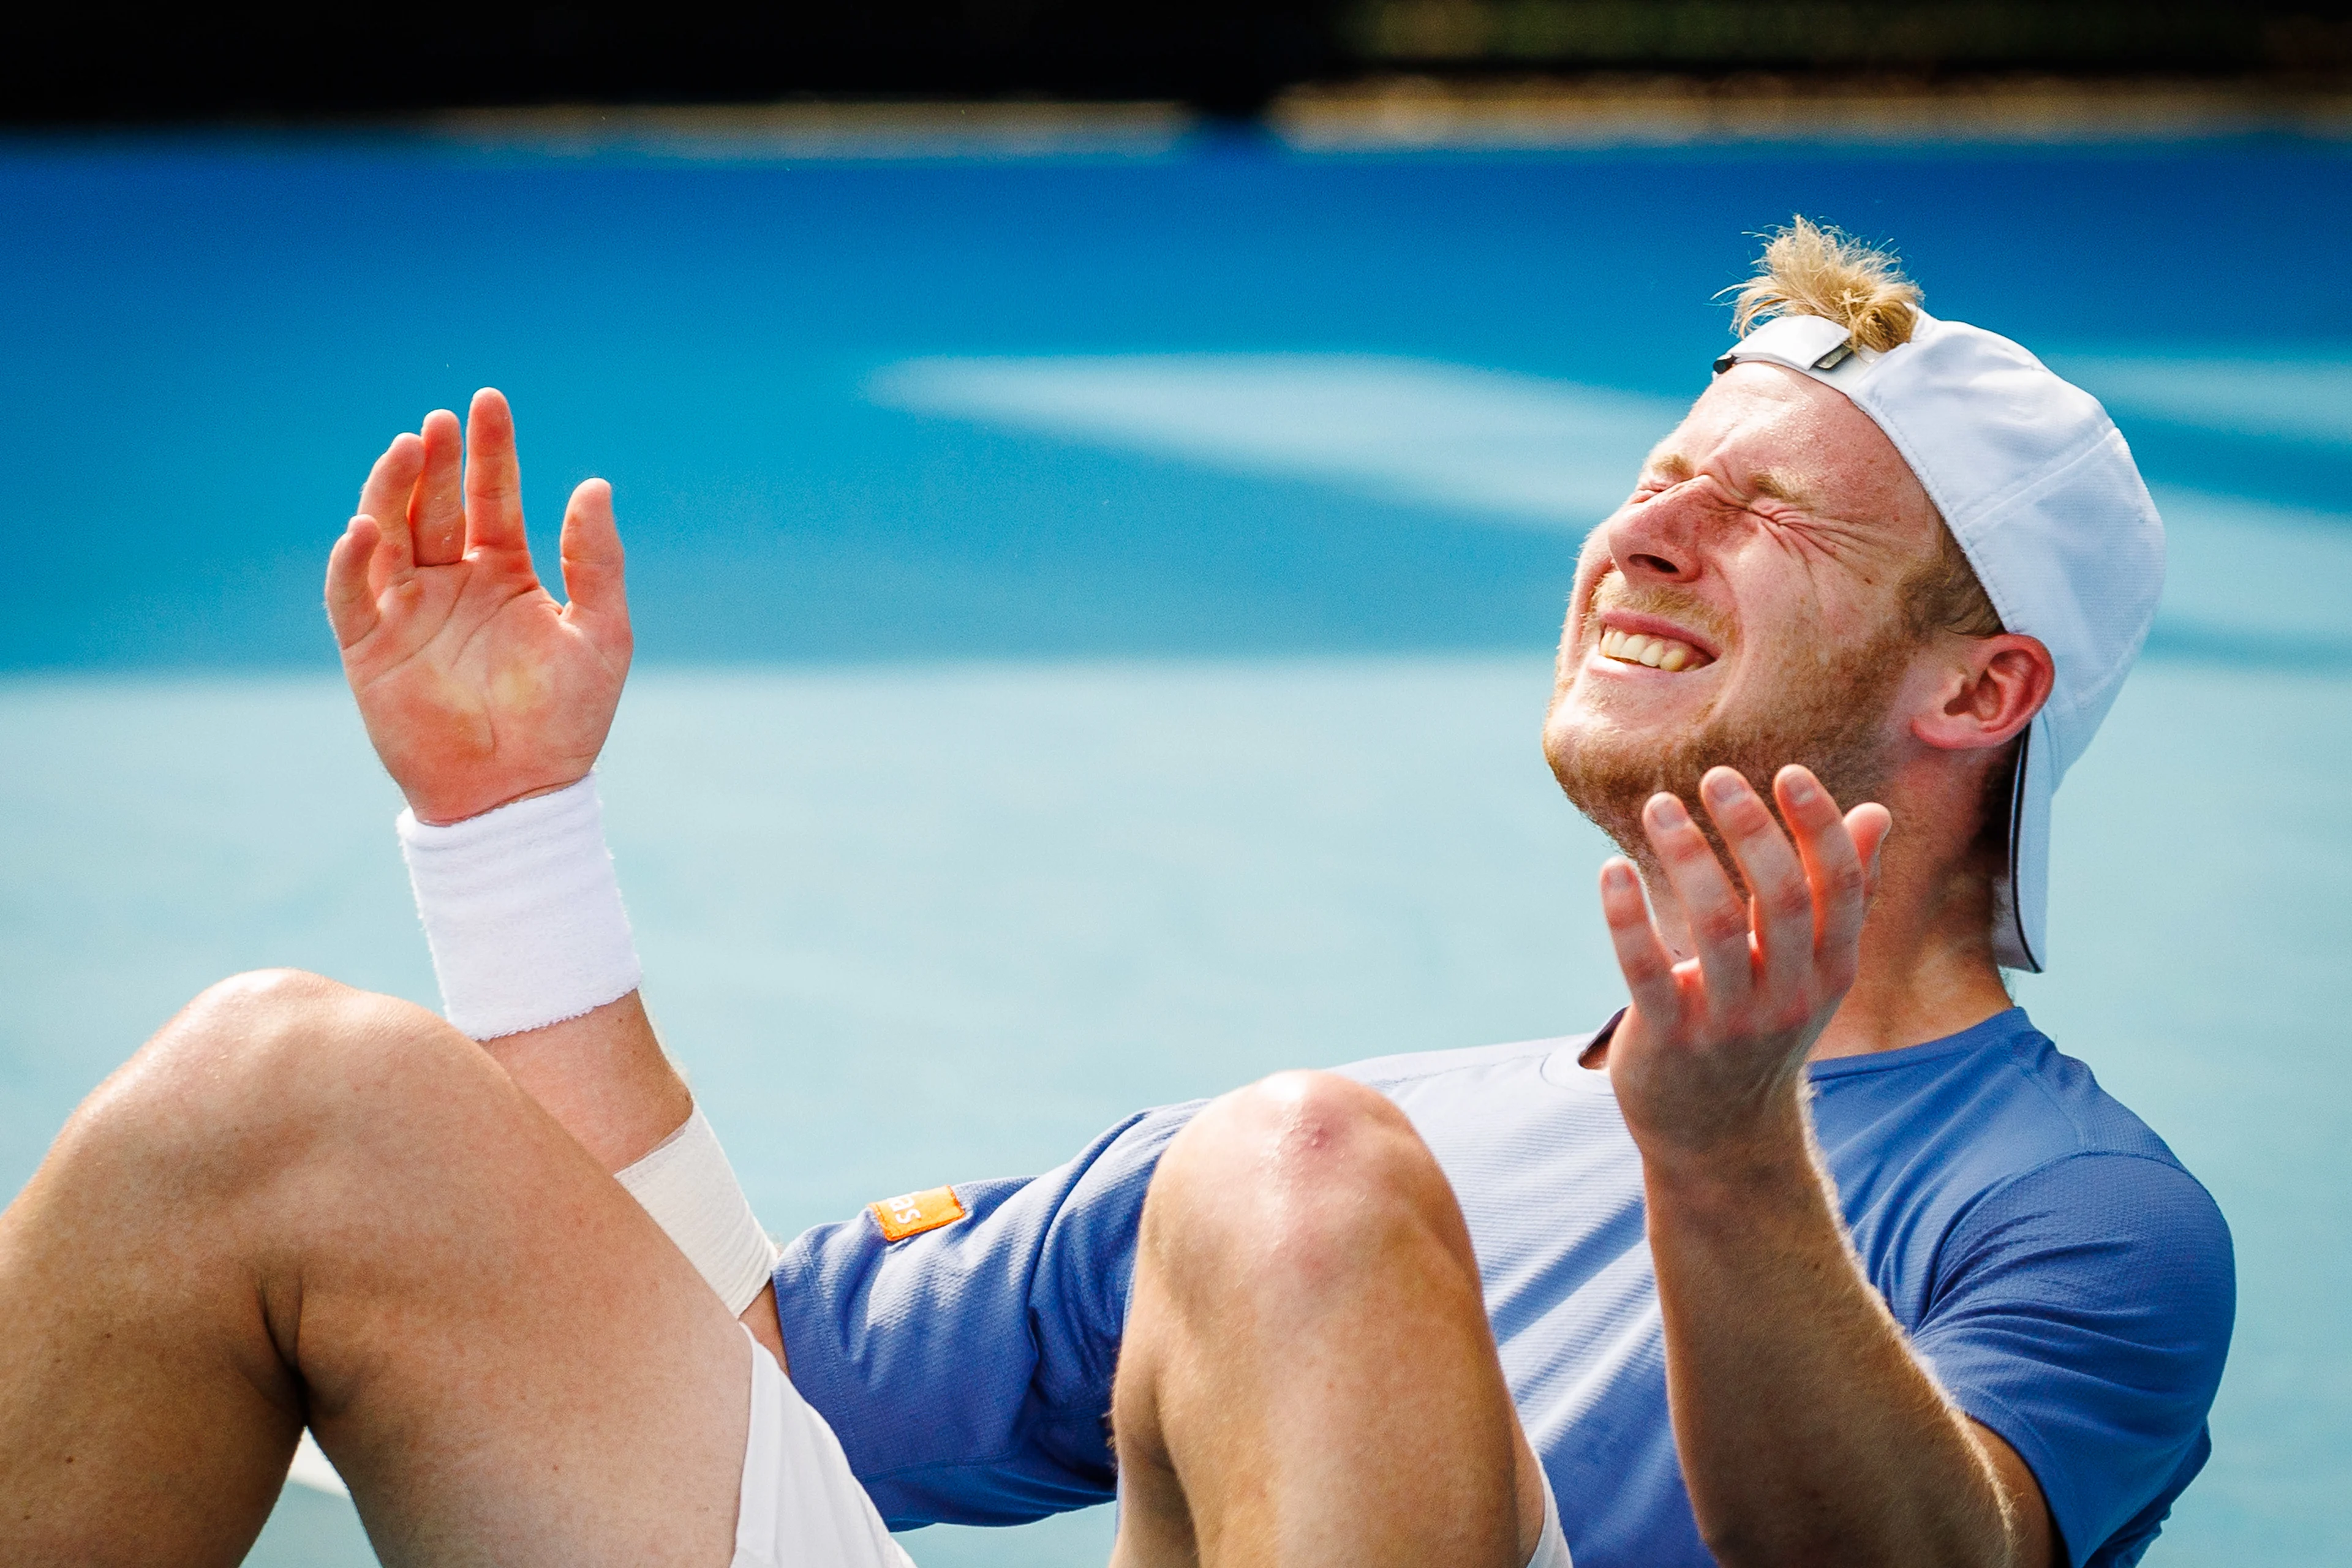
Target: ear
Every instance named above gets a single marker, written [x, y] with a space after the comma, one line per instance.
[1989, 689]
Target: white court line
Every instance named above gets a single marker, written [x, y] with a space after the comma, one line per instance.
[1498, 446]
[2299, 400]
[1501, 447]
[1512, 448]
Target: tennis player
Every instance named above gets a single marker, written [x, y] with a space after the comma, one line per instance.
[1817, 1252]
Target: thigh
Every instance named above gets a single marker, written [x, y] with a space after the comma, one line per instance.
[1306, 1372]
[504, 1355]
[300, 1203]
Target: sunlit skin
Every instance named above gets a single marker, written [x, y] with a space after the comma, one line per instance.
[480, 690]
[1784, 523]
[471, 679]
[1792, 519]
[1787, 515]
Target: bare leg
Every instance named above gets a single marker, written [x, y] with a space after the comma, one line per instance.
[302, 1203]
[1307, 1376]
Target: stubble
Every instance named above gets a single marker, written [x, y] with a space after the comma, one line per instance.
[1829, 715]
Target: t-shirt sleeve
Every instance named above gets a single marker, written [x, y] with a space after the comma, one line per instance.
[2082, 1312]
[967, 1370]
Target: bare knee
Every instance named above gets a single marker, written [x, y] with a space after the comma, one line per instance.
[1295, 1137]
[1296, 1185]
[255, 1018]
[288, 1036]
[249, 1074]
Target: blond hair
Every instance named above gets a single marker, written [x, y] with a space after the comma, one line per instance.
[1809, 271]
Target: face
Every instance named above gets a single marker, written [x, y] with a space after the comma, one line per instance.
[1744, 607]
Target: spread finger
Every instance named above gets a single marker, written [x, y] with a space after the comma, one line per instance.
[1781, 901]
[1834, 871]
[437, 511]
[384, 498]
[493, 476]
[1648, 967]
[1717, 917]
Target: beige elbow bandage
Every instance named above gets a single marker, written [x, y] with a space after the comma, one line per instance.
[688, 1187]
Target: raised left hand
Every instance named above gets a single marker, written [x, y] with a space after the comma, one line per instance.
[1712, 1052]
[475, 686]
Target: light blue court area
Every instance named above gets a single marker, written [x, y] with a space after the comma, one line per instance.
[1093, 618]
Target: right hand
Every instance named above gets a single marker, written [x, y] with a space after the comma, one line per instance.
[477, 689]
[1709, 1061]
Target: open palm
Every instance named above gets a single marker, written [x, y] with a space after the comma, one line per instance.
[475, 686]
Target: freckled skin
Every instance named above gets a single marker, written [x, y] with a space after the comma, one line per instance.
[1786, 581]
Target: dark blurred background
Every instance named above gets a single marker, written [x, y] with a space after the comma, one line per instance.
[112, 62]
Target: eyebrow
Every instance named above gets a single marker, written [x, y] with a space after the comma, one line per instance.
[1782, 485]
[1673, 465]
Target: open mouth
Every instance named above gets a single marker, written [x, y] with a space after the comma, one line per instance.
[1669, 654]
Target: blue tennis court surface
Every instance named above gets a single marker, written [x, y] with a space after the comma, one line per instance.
[1094, 616]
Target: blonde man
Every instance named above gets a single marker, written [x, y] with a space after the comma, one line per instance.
[1816, 1252]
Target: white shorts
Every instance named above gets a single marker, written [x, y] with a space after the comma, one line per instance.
[802, 1507]
[1552, 1551]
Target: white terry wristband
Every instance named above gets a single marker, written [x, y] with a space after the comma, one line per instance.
[522, 913]
[688, 1187]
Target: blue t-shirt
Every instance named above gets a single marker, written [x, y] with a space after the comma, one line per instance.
[2070, 1284]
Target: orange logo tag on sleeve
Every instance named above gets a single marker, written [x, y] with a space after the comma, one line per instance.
[916, 1213]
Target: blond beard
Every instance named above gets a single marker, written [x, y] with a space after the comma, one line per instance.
[1831, 720]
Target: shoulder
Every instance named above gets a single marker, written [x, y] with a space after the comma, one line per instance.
[2130, 1223]
[2061, 1201]
[2071, 1285]
[1992, 1162]
[1952, 1121]
[2097, 1122]
[2080, 1153]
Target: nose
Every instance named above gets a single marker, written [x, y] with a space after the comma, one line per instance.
[1656, 541]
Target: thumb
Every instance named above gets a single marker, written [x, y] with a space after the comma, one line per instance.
[598, 601]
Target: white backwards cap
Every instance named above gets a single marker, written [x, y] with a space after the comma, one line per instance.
[2036, 483]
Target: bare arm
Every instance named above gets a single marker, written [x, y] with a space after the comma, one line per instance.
[478, 690]
[604, 1076]
[1809, 1432]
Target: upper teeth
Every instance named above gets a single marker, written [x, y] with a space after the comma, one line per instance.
[1658, 652]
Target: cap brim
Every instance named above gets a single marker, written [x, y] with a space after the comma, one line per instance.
[2021, 896]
